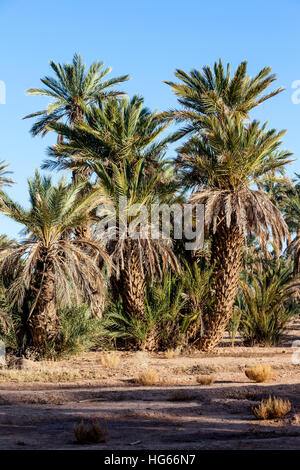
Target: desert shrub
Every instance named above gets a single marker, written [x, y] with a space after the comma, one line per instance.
[172, 313]
[161, 327]
[266, 304]
[110, 360]
[180, 395]
[260, 373]
[78, 331]
[272, 408]
[148, 377]
[206, 379]
[8, 332]
[196, 281]
[93, 433]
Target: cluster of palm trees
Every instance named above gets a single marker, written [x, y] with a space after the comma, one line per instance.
[114, 147]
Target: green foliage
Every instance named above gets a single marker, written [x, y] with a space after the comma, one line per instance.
[234, 323]
[71, 90]
[172, 313]
[196, 282]
[8, 332]
[160, 327]
[267, 304]
[78, 330]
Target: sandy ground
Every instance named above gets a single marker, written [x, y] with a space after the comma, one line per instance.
[42, 415]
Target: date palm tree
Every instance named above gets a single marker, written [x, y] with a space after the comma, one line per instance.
[113, 131]
[46, 266]
[223, 166]
[72, 89]
[137, 249]
[224, 156]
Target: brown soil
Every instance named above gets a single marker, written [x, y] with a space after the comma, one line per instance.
[40, 415]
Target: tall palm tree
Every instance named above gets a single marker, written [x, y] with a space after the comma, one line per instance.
[72, 89]
[45, 265]
[225, 154]
[113, 131]
[223, 165]
[136, 248]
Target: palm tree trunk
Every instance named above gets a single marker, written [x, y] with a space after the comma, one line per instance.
[43, 320]
[226, 248]
[133, 284]
[83, 232]
[297, 255]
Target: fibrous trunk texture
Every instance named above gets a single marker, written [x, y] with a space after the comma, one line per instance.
[97, 307]
[133, 284]
[297, 255]
[226, 249]
[43, 320]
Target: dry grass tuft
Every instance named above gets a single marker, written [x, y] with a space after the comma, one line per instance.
[272, 408]
[148, 377]
[260, 373]
[90, 433]
[206, 379]
[110, 360]
[180, 395]
[171, 354]
[50, 373]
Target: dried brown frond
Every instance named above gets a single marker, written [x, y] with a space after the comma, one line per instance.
[252, 211]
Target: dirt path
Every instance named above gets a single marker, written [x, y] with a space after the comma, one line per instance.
[42, 415]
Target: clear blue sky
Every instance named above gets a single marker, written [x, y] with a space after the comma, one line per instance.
[148, 40]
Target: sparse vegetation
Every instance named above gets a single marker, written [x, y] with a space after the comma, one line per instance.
[206, 379]
[93, 433]
[110, 360]
[171, 353]
[50, 373]
[260, 373]
[148, 377]
[272, 408]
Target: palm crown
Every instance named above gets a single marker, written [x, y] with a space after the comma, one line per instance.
[225, 164]
[139, 193]
[114, 131]
[202, 94]
[72, 90]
